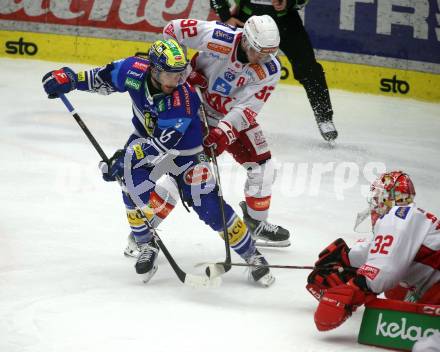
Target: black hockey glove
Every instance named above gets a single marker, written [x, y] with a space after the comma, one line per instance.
[114, 168]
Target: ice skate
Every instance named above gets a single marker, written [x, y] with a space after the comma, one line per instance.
[258, 272]
[132, 249]
[264, 233]
[328, 130]
[146, 263]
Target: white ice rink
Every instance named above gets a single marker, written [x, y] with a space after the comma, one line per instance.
[64, 283]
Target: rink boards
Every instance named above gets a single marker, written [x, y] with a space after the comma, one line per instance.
[98, 51]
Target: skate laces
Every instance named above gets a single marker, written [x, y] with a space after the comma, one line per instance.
[147, 252]
[264, 225]
[258, 269]
[257, 260]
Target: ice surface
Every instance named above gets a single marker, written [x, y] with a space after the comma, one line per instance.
[64, 283]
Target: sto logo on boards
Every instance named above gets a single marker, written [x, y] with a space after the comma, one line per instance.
[394, 85]
[21, 47]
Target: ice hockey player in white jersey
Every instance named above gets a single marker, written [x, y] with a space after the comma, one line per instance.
[402, 259]
[239, 71]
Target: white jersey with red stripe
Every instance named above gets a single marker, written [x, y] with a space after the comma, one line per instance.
[236, 92]
[405, 249]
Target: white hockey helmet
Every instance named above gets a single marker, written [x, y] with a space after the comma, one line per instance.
[261, 33]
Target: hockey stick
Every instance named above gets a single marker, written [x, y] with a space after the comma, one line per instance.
[227, 262]
[187, 279]
[305, 267]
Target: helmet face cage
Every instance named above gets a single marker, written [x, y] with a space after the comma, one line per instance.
[390, 189]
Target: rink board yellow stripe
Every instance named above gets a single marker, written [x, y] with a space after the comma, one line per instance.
[97, 51]
[371, 79]
[63, 48]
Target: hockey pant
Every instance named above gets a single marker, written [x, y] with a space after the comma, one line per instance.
[197, 188]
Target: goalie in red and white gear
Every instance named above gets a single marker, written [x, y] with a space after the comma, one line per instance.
[402, 260]
[238, 71]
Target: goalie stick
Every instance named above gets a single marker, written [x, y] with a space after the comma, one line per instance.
[185, 278]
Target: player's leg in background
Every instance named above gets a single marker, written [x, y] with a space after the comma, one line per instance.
[295, 43]
[252, 152]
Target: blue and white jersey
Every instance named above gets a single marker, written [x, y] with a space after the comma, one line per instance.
[170, 122]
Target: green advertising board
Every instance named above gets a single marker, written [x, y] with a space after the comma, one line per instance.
[395, 329]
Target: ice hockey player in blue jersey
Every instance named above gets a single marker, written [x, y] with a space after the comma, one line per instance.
[167, 141]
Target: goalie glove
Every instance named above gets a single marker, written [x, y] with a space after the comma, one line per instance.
[338, 303]
[332, 269]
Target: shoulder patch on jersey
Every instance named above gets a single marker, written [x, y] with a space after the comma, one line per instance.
[402, 212]
[132, 83]
[221, 86]
[142, 66]
[258, 70]
[219, 48]
[223, 36]
[170, 30]
[271, 67]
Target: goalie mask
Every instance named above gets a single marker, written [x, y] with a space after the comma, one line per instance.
[388, 190]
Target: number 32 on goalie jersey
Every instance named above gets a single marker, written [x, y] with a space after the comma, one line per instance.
[382, 244]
